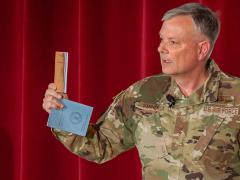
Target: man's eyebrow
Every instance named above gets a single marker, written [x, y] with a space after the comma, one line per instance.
[170, 37]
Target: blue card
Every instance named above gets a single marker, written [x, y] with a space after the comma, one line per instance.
[74, 117]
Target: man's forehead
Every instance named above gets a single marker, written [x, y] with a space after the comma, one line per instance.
[178, 24]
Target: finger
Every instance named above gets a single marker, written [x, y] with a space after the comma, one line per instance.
[48, 105]
[44, 107]
[54, 101]
[65, 96]
[51, 92]
[52, 86]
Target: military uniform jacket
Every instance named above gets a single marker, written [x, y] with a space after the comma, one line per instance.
[197, 138]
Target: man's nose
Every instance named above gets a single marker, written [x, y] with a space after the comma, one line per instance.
[162, 48]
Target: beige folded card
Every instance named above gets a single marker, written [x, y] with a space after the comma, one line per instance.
[60, 75]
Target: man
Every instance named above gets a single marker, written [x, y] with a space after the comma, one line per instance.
[185, 123]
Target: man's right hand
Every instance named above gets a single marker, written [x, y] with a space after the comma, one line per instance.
[51, 98]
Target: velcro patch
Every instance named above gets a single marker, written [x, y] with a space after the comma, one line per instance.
[148, 107]
[221, 109]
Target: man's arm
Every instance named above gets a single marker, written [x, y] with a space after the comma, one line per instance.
[110, 136]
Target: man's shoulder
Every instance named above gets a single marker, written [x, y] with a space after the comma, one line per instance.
[151, 87]
[152, 80]
[229, 81]
[230, 86]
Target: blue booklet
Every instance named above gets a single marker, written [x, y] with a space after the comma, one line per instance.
[74, 117]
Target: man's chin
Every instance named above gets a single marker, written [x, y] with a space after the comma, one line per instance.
[167, 72]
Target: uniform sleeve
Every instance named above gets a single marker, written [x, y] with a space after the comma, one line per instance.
[111, 135]
[238, 140]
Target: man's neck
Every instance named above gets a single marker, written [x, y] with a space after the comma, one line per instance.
[191, 82]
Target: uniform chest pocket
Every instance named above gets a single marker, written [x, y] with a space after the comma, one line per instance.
[153, 150]
[149, 139]
[220, 151]
[218, 144]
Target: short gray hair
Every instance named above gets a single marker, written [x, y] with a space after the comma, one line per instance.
[205, 19]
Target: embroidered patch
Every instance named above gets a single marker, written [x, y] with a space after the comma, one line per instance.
[221, 109]
[148, 107]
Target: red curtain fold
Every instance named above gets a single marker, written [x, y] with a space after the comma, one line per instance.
[111, 44]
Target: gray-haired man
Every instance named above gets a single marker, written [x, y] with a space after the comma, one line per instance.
[184, 122]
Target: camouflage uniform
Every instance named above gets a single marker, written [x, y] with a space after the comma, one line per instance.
[198, 138]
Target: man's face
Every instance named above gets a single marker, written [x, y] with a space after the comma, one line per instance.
[179, 48]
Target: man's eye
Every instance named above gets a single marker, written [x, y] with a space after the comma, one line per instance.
[173, 42]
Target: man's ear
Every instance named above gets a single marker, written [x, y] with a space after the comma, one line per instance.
[203, 50]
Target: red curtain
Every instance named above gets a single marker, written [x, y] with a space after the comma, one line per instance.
[111, 44]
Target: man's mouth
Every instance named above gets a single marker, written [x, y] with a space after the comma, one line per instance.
[166, 60]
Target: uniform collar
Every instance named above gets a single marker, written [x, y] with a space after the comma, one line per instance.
[208, 92]
[211, 86]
